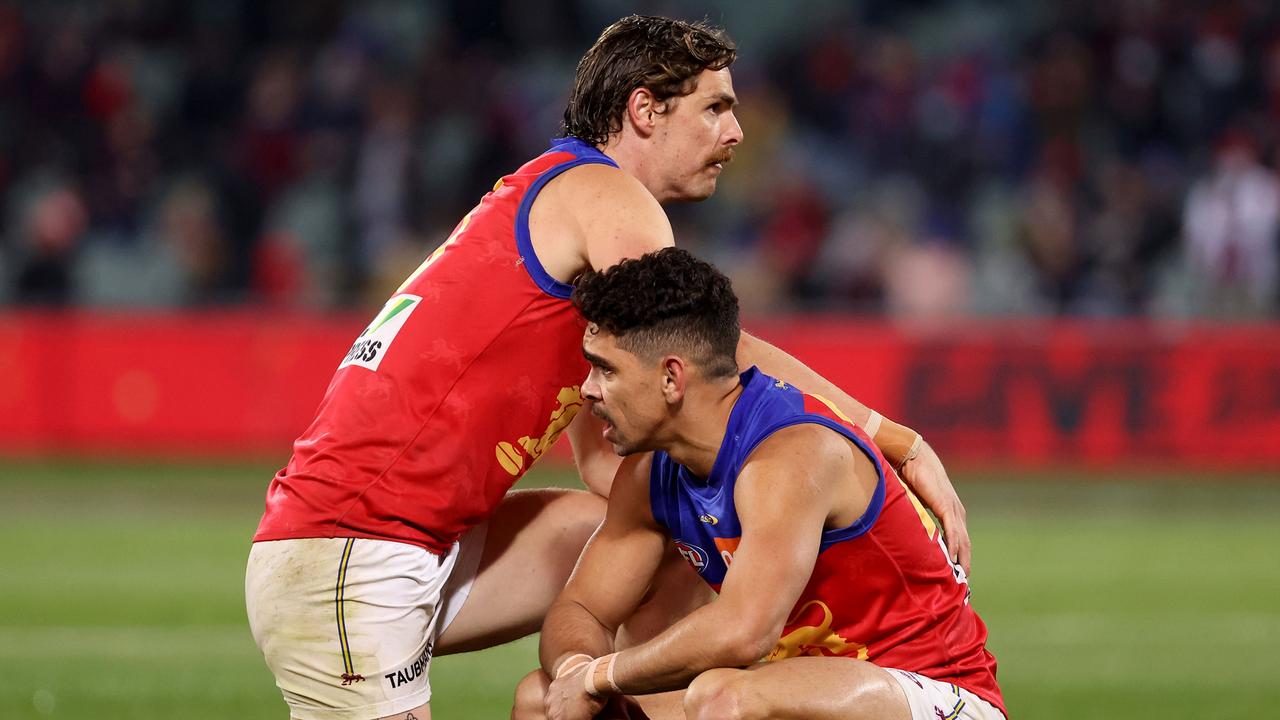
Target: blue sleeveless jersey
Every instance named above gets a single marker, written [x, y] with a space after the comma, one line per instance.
[700, 514]
[882, 589]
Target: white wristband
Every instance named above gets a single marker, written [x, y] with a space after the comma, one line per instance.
[589, 678]
[912, 453]
[613, 660]
[577, 660]
[589, 682]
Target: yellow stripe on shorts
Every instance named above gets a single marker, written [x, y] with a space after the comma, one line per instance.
[955, 711]
[338, 601]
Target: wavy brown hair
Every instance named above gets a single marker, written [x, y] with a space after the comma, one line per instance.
[660, 54]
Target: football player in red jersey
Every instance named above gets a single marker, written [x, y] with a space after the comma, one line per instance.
[825, 565]
[390, 536]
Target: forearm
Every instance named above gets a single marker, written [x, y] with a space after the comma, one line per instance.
[710, 637]
[894, 440]
[570, 629]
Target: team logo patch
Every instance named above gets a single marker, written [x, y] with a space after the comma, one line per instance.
[812, 634]
[696, 556]
[511, 456]
[372, 345]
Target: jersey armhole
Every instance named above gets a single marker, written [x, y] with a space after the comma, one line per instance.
[872, 513]
[524, 243]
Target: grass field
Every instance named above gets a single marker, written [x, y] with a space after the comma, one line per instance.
[121, 596]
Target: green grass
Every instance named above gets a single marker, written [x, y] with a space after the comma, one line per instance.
[121, 596]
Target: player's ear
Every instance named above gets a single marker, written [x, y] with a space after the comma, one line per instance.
[643, 110]
[675, 378]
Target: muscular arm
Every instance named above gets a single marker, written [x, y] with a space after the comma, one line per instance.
[924, 473]
[612, 576]
[784, 496]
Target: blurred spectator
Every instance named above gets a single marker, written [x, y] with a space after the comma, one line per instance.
[1050, 230]
[1232, 229]
[268, 142]
[928, 282]
[1035, 158]
[53, 225]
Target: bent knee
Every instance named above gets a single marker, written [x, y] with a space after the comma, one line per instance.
[877, 689]
[718, 694]
[530, 693]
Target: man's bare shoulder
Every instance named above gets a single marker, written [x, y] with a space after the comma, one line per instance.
[807, 445]
[597, 182]
[633, 474]
[805, 462]
[604, 212]
[598, 194]
[629, 496]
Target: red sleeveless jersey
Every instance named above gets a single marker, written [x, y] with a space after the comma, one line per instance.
[883, 589]
[467, 375]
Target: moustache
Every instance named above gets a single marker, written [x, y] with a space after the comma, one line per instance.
[724, 157]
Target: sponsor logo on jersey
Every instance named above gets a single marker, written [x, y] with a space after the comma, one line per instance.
[696, 556]
[372, 345]
[412, 671]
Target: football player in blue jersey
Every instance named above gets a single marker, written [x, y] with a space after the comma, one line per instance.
[824, 563]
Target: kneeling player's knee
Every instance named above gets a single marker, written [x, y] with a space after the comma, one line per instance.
[717, 695]
[531, 690]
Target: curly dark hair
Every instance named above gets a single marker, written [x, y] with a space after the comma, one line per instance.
[665, 301]
[664, 55]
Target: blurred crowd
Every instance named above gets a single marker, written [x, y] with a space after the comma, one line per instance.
[915, 159]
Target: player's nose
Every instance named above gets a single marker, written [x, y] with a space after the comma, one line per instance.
[591, 388]
[733, 134]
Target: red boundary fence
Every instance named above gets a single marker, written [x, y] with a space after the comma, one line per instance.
[1026, 392]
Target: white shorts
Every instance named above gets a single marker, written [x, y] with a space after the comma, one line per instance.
[933, 700]
[348, 625]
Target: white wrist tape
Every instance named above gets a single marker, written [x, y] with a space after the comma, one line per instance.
[609, 674]
[589, 678]
[913, 452]
[571, 663]
[873, 424]
[589, 682]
